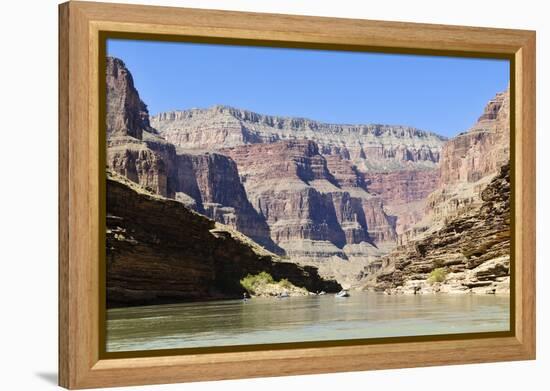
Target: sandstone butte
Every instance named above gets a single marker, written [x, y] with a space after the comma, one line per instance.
[342, 201]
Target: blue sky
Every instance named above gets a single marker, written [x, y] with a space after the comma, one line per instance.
[441, 94]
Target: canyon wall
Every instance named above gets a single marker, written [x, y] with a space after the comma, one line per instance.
[290, 184]
[468, 163]
[159, 251]
[464, 228]
[404, 193]
[483, 149]
[338, 197]
[472, 251]
[308, 200]
[212, 181]
[206, 182]
[345, 195]
[369, 147]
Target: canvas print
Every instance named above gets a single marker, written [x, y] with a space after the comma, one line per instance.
[259, 195]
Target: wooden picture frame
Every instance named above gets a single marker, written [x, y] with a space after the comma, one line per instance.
[81, 25]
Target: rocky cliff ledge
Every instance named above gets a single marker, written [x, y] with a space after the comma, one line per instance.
[159, 251]
[470, 254]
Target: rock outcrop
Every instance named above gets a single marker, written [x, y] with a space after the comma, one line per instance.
[127, 115]
[159, 251]
[471, 253]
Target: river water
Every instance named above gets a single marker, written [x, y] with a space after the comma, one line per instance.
[309, 318]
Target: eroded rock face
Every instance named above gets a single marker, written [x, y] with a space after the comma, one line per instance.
[147, 161]
[473, 250]
[127, 115]
[367, 146]
[471, 157]
[404, 193]
[206, 182]
[464, 227]
[158, 251]
[213, 181]
[483, 149]
[316, 208]
[468, 163]
[133, 148]
[335, 196]
[403, 186]
[277, 179]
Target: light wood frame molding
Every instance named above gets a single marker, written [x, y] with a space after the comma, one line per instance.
[80, 24]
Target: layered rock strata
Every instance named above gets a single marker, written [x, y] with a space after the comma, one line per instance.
[468, 163]
[206, 182]
[472, 251]
[344, 213]
[483, 149]
[213, 182]
[404, 193]
[317, 208]
[335, 196]
[363, 158]
[367, 146]
[292, 186]
[159, 251]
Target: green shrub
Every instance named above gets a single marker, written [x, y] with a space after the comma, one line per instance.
[257, 284]
[252, 282]
[437, 275]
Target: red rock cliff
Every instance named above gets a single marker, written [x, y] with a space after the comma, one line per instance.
[315, 209]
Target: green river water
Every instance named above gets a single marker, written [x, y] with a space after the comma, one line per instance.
[308, 318]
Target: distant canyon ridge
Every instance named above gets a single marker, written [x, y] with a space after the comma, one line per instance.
[348, 200]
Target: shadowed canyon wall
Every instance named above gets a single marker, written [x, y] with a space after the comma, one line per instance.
[159, 251]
